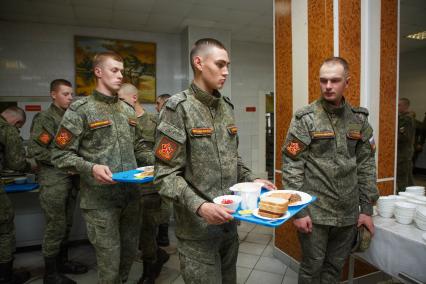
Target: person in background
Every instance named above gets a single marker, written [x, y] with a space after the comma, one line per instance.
[163, 228]
[406, 136]
[97, 136]
[12, 157]
[151, 205]
[196, 150]
[58, 188]
[329, 152]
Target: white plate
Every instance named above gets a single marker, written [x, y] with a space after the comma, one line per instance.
[146, 169]
[304, 196]
[256, 214]
[424, 237]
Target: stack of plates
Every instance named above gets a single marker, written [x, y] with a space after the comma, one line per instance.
[386, 205]
[417, 190]
[404, 212]
[420, 218]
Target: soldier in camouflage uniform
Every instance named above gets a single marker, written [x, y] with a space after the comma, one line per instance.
[406, 135]
[197, 160]
[329, 153]
[151, 205]
[96, 138]
[12, 157]
[58, 187]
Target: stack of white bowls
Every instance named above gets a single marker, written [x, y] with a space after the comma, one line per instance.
[386, 206]
[417, 190]
[420, 218]
[404, 212]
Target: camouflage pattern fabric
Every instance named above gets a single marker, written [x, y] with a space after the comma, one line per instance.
[329, 153]
[197, 160]
[58, 189]
[324, 252]
[100, 129]
[113, 233]
[7, 228]
[150, 217]
[199, 259]
[406, 136]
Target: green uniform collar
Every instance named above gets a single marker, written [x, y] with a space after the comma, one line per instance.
[206, 98]
[57, 110]
[104, 98]
[332, 108]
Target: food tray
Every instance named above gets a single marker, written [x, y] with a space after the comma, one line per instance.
[13, 187]
[129, 176]
[271, 223]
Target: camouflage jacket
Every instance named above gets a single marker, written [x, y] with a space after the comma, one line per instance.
[98, 129]
[329, 153]
[43, 130]
[12, 151]
[406, 134]
[197, 158]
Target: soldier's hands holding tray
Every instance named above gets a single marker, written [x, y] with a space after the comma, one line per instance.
[102, 174]
[266, 184]
[215, 214]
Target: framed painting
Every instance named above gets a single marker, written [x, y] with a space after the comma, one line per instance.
[139, 64]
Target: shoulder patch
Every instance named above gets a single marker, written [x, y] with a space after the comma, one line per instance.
[166, 149]
[228, 100]
[294, 147]
[362, 110]
[303, 111]
[78, 103]
[175, 100]
[63, 137]
[44, 137]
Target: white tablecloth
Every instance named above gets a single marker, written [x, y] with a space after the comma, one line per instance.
[397, 248]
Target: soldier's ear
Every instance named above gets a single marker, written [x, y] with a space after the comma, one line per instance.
[97, 71]
[347, 81]
[198, 63]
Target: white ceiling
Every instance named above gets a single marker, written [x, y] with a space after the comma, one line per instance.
[248, 20]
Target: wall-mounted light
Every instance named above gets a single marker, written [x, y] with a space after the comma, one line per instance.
[418, 36]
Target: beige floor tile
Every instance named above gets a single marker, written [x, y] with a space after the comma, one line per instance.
[167, 276]
[290, 277]
[242, 274]
[247, 260]
[258, 238]
[173, 262]
[252, 248]
[271, 264]
[246, 227]
[263, 230]
[268, 251]
[257, 277]
[179, 280]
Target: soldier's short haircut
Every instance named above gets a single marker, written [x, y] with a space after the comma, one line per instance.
[15, 111]
[164, 97]
[54, 85]
[200, 45]
[100, 57]
[338, 60]
[127, 89]
[405, 100]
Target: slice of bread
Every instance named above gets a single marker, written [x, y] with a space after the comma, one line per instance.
[272, 207]
[281, 195]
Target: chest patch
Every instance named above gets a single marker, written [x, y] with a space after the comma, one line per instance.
[294, 147]
[202, 131]
[63, 138]
[45, 137]
[166, 149]
[233, 129]
[322, 134]
[99, 124]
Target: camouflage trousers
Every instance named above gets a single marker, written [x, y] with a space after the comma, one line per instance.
[114, 234]
[58, 203]
[324, 252]
[404, 174]
[7, 228]
[150, 216]
[209, 261]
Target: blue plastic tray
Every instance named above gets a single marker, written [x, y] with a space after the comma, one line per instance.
[129, 176]
[271, 223]
[20, 187]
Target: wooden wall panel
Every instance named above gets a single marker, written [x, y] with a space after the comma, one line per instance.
[386, 188]
[350, 45]
[388, 77]
[283, 75]
[286, 239]
[320, 41]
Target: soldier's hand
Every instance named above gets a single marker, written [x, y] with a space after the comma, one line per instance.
[102, 174]
[215, 214]
[303, 225]
[266, 184]
[367, 221]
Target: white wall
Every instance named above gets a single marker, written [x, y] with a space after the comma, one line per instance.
[252, 76]
[412, 80]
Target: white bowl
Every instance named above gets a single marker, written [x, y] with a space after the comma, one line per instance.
[420, 225]
[236, 200]
[415, 187]
[421, 211]
[405, 205]
[403, 220]
[407, 194]
[386, 214]
[420, 198]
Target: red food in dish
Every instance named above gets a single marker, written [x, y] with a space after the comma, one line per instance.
[227, 201]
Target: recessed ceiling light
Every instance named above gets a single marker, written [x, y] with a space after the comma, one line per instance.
[418, 36]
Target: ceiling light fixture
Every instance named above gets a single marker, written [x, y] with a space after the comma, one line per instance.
[418, 36]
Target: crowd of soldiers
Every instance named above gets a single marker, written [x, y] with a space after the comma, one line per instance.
[329, 152]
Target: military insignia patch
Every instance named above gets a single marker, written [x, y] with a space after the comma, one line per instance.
[132, 122]
[202, 131]
[166, 149]
[233, 129]
[99, 124]
[322, 134]
[45, 137]
[294, 148]
[63, 138]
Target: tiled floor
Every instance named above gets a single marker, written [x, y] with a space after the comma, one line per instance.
[256, 264]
